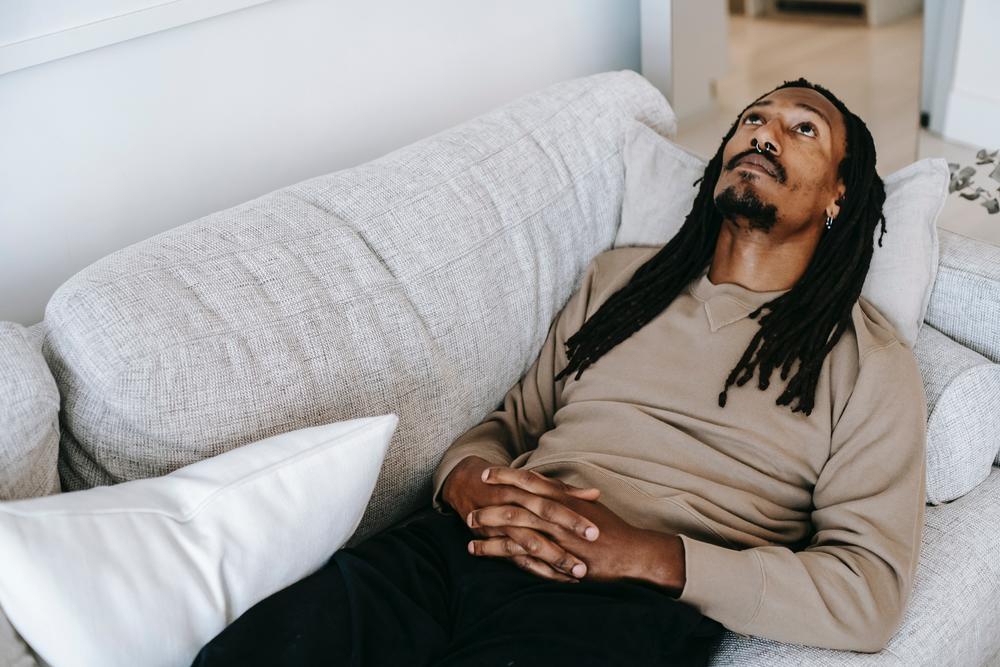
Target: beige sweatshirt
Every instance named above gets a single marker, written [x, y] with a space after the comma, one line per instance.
[802, 529]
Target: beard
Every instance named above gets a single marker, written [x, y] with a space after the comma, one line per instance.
[747, 205]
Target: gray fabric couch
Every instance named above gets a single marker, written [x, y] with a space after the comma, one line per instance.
[423, 284]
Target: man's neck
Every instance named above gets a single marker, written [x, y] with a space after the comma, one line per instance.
[758, 261]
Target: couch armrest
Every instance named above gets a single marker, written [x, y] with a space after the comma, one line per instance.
[29, 416]
[965, 302]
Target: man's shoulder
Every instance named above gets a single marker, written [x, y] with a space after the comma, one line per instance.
[876, 371]
[627, 253]
[869, 331]
[873, 330]
[869, 347]
[612, 269]
[617, 265]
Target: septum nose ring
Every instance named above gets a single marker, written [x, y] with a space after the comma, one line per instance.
[768, 146]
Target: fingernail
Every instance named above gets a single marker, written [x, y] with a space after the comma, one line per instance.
[468, 519]
[486, 474]
[579, 570]
[591, 533]
[472, 549]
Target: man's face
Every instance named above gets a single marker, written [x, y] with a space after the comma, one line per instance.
[806, 138]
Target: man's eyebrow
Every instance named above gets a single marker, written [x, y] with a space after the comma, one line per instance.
[803, 105]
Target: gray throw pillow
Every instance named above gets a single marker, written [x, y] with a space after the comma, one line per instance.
[963, 427]
[13, 651]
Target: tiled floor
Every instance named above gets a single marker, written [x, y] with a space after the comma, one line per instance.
[874, 71]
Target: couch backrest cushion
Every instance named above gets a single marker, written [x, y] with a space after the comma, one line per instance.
[965, 303]
[29, 417]
[13, 651]
[422, 283]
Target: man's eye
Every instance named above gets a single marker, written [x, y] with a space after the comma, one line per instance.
[808, 126]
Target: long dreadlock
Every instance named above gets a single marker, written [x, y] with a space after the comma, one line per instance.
[804, 323]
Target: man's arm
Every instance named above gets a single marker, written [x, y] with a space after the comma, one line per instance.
[849, 588]
[529, 406]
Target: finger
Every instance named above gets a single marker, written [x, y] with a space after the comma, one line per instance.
[505, 547]
[534, 481]
[537, 545]
[509, 516]
[540, 568]
[524, 541]
[555, 513]
[555, 517]
[488, 531]
[502, 546]
[539, 501]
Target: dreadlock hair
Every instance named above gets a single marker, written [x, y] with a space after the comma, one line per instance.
[805, 322]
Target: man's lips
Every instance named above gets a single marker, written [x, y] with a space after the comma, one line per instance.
[757, 161]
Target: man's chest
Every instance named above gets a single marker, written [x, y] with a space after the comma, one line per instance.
[670, 373]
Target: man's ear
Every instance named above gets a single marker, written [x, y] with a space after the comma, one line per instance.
[833, 210]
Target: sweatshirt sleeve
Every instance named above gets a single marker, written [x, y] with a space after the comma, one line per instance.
[849, 587]
[529, 406]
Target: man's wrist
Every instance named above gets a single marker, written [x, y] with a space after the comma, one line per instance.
[662, 562]
[448, 487]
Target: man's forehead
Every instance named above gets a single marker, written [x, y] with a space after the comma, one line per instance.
[808, 99]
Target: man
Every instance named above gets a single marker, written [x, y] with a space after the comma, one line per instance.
[625, 514]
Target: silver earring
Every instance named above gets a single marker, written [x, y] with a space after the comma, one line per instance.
[829, 222]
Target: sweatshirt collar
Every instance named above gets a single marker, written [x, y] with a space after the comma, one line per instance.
[726, 303]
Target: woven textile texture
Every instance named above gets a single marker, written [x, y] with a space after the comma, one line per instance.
[422, 283]
[29, 415]
[953, 617]
[962, 438]
[965, 303]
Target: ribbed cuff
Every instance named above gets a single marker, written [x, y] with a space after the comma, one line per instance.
[724, 584]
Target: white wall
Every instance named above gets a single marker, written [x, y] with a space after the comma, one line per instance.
[685, 49]
[701, 53]
[972, 113]
[108, 147]
[942, 21]
[656, 34]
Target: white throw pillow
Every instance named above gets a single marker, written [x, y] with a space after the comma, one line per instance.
[660, 191]
[147, 572]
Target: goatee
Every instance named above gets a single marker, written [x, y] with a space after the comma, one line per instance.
[747, 205]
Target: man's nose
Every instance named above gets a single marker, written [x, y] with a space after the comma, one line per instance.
[765, 139]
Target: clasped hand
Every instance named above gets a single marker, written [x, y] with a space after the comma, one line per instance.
[563, 534]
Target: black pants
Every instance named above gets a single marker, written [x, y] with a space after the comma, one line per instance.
[413, 595]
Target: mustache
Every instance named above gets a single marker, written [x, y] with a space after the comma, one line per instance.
[779, 171]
